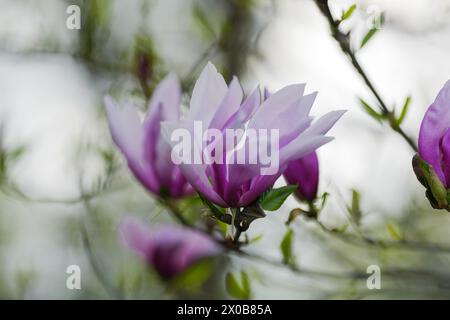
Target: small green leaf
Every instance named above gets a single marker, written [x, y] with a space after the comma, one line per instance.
[354, 210]
[394, 231]
[195, 275]
[286, 248]
[275, 198]
[404, 111]
[255, 239]
[264, 194]
[235, 289]
[368, 36]
[370, 111]
[324, 200]
[347, 14]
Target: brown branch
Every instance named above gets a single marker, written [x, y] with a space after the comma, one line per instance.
[343, 40]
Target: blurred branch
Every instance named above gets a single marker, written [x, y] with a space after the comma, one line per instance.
[9, 188]
[12, 190]
[235, 36]
[93, 261]
[442, 280]
[344, 43]
[173, 209]
[363, 240]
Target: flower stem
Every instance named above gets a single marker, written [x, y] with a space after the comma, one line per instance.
[237, 225]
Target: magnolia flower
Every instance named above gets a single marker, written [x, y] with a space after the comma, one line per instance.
[434, 135]
[305, 173]
[432, 164]
[220, 107]
[147, 154]
[170, 250]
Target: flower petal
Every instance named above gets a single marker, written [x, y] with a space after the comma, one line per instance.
[258, 185]
[434, 125]
[125, 127]
[302, 146]
[168, 94]
[445, 149]
[208, 93]
[127, 134]
[194, 173]
[276, 104]
[137, 236]
[229, 105]
[247, 109]
[324, 123]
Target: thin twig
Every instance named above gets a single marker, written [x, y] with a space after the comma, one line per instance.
[344, 42]
[363, 240]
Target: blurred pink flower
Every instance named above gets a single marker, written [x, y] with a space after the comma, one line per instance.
[169, 249]
[147, 154]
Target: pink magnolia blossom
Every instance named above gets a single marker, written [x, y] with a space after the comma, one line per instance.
[169, 249]
[147, 153]
[221, 107]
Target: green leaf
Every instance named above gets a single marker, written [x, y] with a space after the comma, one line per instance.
[354, 210]
[238, 290]
[347, 14]
[394, 231]
[370, 111]
[286, 248]
[196, 274]
[255, 239]
[264, 194]
[324, 200]
[275, 198]
[404, 110]
[368, 36]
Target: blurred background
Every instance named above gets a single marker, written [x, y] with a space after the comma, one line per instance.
[56, 147]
